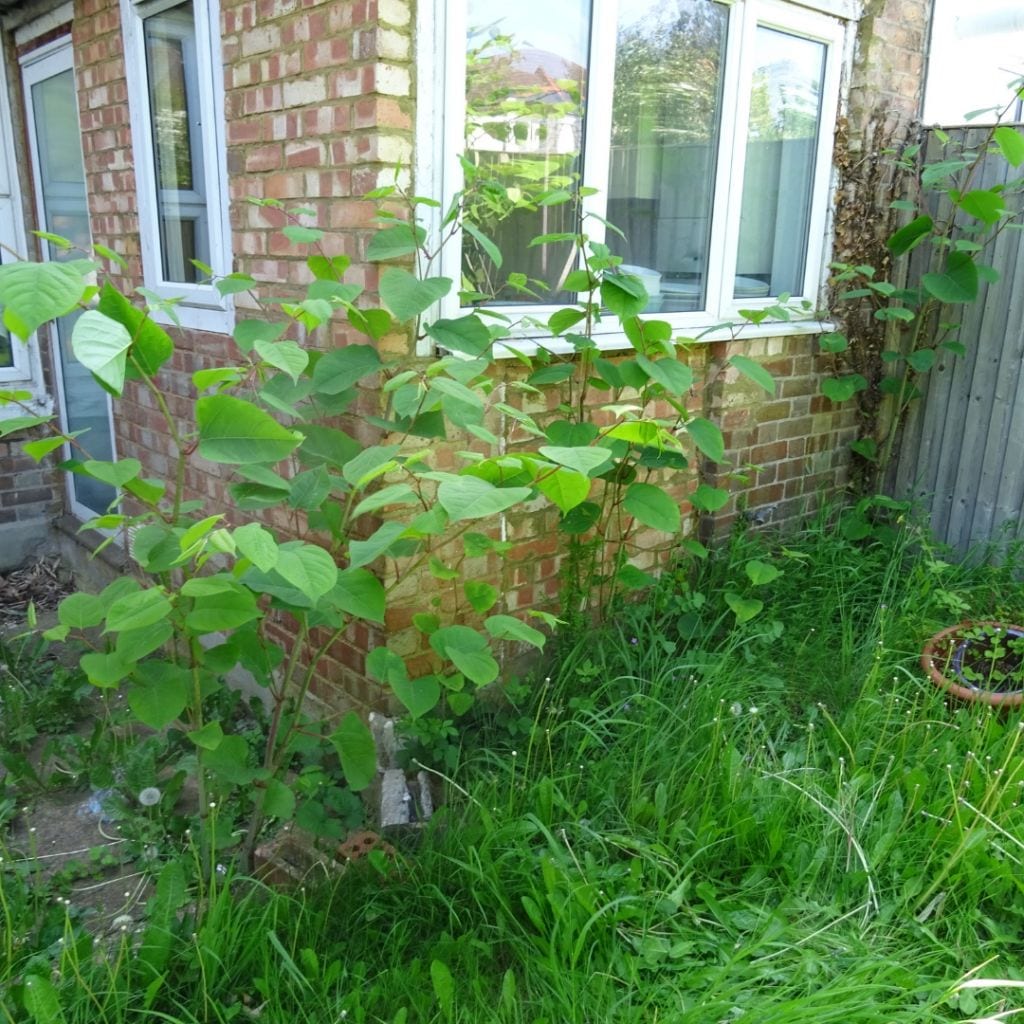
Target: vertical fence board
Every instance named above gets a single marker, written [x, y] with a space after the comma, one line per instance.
[961, 451]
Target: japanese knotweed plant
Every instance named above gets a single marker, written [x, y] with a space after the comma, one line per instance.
[216, 588]
[934, 264]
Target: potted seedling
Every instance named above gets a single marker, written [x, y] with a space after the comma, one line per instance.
[981, 662]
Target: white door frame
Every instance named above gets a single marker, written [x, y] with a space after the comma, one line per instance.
[26, 372]
[37, 66]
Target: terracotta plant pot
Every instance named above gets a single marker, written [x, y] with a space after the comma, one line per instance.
[943, 660]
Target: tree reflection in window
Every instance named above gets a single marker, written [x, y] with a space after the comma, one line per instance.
[525, 87]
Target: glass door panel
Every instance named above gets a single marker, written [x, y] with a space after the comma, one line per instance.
[60, 186]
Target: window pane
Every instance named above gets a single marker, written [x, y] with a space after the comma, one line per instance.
[170, 110]
[525, 83]
[66, 212]
[782, 136]
[60, 150]
[177, 143]
[669, 66]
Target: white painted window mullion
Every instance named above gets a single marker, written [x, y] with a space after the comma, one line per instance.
[732, 151]
[452, 108]
[604, 20]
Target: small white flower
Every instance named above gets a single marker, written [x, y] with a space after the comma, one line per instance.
[736, 708]
[149, 797]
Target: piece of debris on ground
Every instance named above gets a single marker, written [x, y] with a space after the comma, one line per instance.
[41, 583]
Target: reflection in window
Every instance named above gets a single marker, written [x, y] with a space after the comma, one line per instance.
[525, 85]
[530, 138]
[782, 139]
[60, 160]
[174, 106]
[666, 110]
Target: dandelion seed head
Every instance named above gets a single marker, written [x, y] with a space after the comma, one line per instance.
[149, 797]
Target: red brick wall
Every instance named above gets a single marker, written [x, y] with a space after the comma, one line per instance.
[887, 78]
[795, 443]
[319, 105]
[785, 455]
[29, 491]
[319, 111]
[106, 133]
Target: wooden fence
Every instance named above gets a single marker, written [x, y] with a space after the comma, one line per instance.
[961, 455]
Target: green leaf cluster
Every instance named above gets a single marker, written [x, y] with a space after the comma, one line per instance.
[339, 493]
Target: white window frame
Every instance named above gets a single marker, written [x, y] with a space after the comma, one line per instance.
[26, 373]
[201, 306]
[440, 133]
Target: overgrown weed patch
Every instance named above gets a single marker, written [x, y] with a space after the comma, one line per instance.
[681, 818]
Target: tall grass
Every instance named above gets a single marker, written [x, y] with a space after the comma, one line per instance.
[774, 822]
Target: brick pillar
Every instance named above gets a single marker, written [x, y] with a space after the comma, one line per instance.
[106, 133]
[319, 112]
[886, 87]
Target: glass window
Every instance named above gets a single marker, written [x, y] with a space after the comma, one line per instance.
[782, 141]
[525, 82]
[174, 67]
[54, 136]
[666, 112]
[177, 141]
[698, 123]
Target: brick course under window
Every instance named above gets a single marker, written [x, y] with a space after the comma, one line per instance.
[320, 107]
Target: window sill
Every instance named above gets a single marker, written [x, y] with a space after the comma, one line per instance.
[198, 318]
[40, 404]
[112, 555]
[529, 345]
